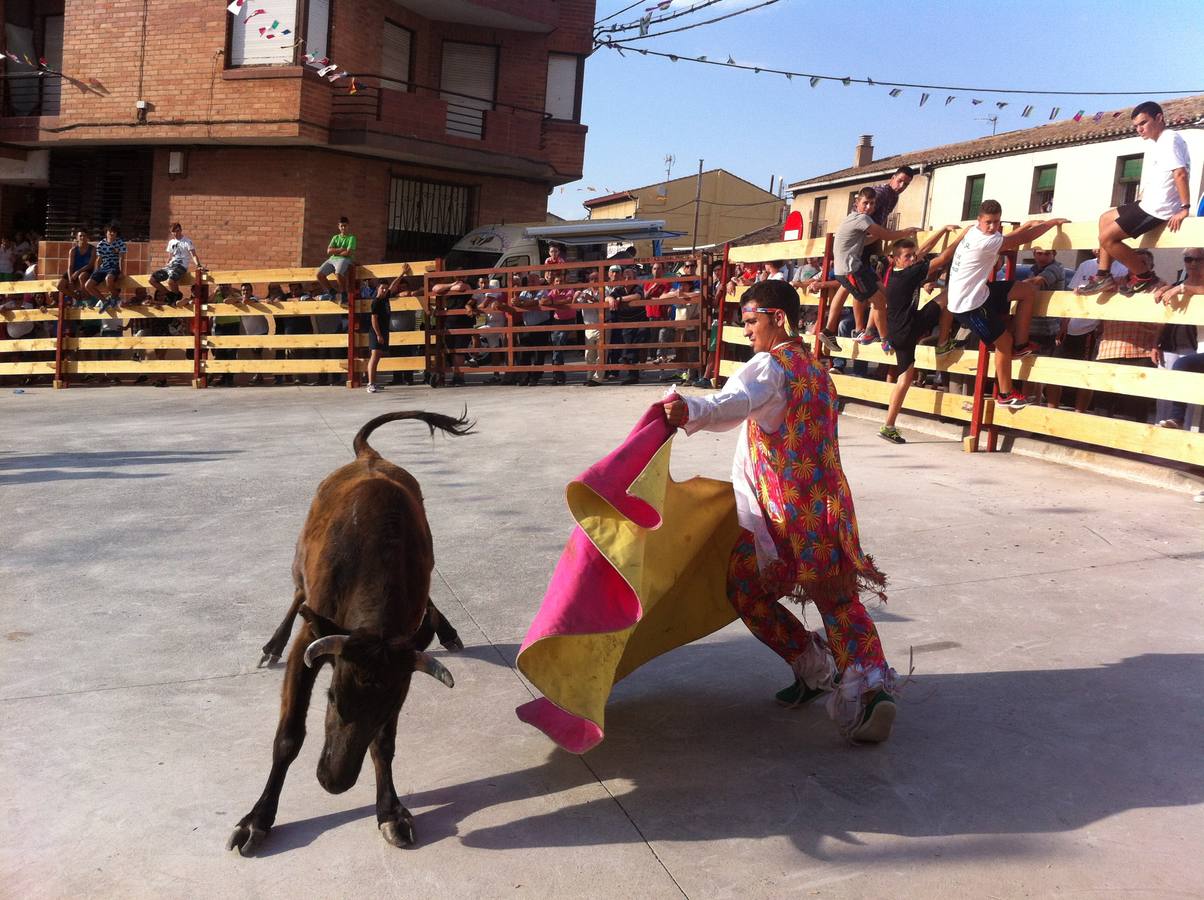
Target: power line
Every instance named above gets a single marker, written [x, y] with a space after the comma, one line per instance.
[734, 13]
[631, 26]
[844, 79]
[619, 13]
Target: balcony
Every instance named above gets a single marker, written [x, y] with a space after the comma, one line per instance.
[421, 126]
[538, 16]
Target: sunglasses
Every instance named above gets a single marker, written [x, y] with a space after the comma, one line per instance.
[1193, 259]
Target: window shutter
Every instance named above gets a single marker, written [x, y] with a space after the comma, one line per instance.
[317, 26]
[468, 80]
[1046, 177]
[395, 57]
[1132, 169]
[978, 182]
[250, 48]
[52, 49]
[560, 100]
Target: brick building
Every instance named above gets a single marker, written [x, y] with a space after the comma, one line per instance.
[463, 113]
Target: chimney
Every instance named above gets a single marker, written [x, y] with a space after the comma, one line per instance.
[864, 154]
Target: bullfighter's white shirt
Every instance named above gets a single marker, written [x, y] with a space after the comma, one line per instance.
[758, 391]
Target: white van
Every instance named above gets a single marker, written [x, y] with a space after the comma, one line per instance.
[500, 246]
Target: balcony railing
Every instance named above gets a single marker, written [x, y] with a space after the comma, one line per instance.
[31, 94]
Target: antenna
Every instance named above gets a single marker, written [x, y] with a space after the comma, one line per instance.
[994, 120]
[669, 161]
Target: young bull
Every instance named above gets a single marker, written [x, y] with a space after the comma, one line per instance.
[362, 573]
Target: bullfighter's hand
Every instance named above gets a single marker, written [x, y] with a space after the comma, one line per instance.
[676, 412]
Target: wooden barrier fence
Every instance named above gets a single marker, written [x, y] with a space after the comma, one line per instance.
[982, 413]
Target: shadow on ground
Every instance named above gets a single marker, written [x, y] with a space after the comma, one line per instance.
[37, 468]
[1010, 755]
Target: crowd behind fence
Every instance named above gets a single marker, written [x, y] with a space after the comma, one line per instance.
[608, 321]
[957, 386]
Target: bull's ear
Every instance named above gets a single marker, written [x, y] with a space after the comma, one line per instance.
[322, 626]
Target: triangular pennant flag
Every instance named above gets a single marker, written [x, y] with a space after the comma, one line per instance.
[12, 56]
[975, 102]
[730, 61]
[234, 7]
[336, 76]
[672, 58]
[1078, 116]
[645, 20]
[1028, 111]
[950, 99]
[756, 71]
[28, 61]
[42, 63]
[789, 77]
[275, 24]
[353, 87]
[285, 31]
[702, 59]
[814, 80]
[1097, 117]
[262, 30]
[326, 70]
[869, 81]
[258, 12]
[641, 52]
[1000, 104]
[895, 92]
[1053, 113]
[846, 81]
[270, 36]
[923, 99]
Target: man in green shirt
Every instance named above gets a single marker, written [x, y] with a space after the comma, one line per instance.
[339, 263]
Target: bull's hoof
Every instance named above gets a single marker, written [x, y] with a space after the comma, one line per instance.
[247, 838]
[268, 659]
[453, 644]
[400, 831]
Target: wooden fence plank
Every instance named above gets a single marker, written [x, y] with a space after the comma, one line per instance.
[937, 403]
[126, 366]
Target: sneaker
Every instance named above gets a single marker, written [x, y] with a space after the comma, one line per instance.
[1169, 423]
[630, 379]
[874, 724]
[891, 433]
[703, 383]
[829, 342]
[589, 382]
[100, 306]
[864, 337]
[371, 388]
[946, 348]
[798, 694]
[472, 362]
[1139, 284]
[1096, 284]
[887, 347]
[1014, 400]
[1025, 350]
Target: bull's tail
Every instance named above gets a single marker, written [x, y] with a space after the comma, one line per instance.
[457, 427]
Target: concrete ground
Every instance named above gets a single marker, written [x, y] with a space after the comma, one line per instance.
[1049, 744]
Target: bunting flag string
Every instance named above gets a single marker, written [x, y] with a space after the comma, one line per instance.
[896, 89]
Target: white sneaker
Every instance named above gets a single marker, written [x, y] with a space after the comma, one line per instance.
[372, 389]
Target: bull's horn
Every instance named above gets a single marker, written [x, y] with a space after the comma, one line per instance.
[425, 663]
[331, 645]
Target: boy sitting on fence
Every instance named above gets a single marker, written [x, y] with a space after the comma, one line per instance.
[851, 270]
[110, 254]
[906, 321]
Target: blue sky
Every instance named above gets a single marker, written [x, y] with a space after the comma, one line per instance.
[641, 108]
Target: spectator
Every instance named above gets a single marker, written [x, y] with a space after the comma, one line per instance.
[81, 259]
[559, 300]
[804, 272]
[404, 321]
[1046, 274]
[110, 255]
[491, 304]
[254, 326]
[181, 253]
[776, 270]
[1129, 344]
[627, 307]
[984, 307]
[8, 260]
[686, 294]
[292, 324]
[1164, 198]
[227, 325]
[1075, 338]
[906, 320]
[591, 315]
[1173, 414]
[534, 314]
[339, 262]
[458, 295]
[886, 195]
[378, 336]
[655, 289]
[22, 244]
[850, 269]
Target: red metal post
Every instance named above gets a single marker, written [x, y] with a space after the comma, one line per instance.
[602, 357]
[200, 293]
[719, 313]
[59, 380]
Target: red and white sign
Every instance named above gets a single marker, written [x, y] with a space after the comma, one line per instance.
[793, 229]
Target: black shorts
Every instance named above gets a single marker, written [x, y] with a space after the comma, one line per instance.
[172, 272]
[922, 323]
[1135, 221]
[100, 275]
[991, 319]
[1074, 346]
[861, 284]
[383, 342]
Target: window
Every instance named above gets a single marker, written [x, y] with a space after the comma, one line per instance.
[852, 200]
[469, 83]
[974, 188]
[1128, 177]
[562, 99]
[426, 218]
[819, 213]
[254, 42]
[395, 63]
[1041, 200]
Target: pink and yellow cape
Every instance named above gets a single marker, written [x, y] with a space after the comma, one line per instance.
[644, 571]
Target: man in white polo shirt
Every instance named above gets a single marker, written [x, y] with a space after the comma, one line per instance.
[984, 307]
[1164, 198]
